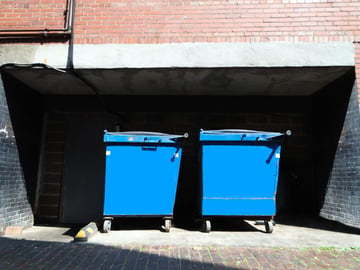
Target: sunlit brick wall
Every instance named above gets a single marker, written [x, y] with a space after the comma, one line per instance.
[164, 21]
[30, 15]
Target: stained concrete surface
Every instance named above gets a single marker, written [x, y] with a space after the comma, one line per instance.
[298, 232]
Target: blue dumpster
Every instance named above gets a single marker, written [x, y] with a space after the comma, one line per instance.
[141, 175]
[239, 170]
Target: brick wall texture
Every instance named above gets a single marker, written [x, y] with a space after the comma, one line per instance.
[22, 14]
[342, 198]
[217, 21]
[15, 209]
[163, 21]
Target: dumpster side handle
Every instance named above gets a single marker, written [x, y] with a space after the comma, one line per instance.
[147, 140]
[150, 144]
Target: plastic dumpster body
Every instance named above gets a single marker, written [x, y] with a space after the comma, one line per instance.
[239, 170]
[141, 175]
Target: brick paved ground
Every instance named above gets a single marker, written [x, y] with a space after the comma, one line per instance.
[23, 254]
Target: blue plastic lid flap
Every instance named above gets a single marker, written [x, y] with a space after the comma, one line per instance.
[237, 135]
[140, 137]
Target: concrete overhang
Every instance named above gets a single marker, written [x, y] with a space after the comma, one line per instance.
[180, 81]
[271, 69]
[182, 55]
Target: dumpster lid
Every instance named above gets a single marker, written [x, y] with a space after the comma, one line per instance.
[142, 136]
[240, 135]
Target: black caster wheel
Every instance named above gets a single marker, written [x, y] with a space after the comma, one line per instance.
[269, 226]
[206, 226]
[107, 226]
[167, 225]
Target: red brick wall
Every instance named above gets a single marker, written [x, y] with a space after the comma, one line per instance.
[160, 21]
[31, 14]
[164, 21]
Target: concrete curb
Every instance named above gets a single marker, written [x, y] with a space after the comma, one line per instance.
[86, 232]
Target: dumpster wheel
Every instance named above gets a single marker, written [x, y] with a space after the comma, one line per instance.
[167, 225]
[107, 226]
[206, 226]
[269, 226]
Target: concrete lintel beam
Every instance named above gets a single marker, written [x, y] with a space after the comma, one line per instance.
[190, 55]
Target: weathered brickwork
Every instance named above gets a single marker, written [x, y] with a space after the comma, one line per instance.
[15, 209]
[33, 14]
[216, 21]
[342, 198]
[160, 21]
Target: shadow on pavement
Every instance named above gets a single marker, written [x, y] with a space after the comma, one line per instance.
[315, 223]
[25, 254]
[16, 254]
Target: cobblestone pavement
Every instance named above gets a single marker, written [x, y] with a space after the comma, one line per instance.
[26, 254]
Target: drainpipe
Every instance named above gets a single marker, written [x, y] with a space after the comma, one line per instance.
[31, 34]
